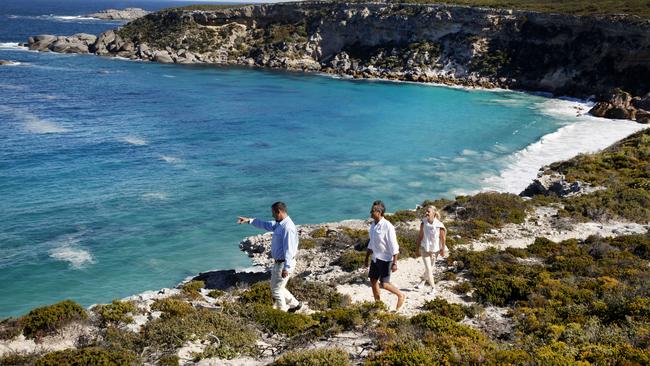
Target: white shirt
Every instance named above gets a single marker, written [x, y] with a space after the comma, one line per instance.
[383, 240]
[431, 240]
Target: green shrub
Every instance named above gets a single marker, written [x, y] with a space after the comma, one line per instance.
[192, 289]
[121, 339]
[351, 260]
[402, 216]
[10, 328]
[321, 232]
[216, 294]
[408, 243]
[48, 319]
[258, 293]
[408, 354]
[315, 357]
[87, 357]
[172, 307]
[350, 317]
[168, 360]
[278, 321]
[305, 243]
[17, 359]
[115, 312]
[318, 295]
[462, 288]
[443, 308]
[359, 237]
[170, 332]
[484, 211]
[449, 276]
[502, 290]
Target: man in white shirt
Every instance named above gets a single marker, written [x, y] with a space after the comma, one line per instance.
[384, 250]
[284, 246]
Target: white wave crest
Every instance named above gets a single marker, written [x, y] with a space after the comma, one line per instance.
[12, 46]
[68, 250]
[154, 196]
[588, 134]
[134, 140]
[170, 159]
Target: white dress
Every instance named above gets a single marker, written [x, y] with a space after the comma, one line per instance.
[431, 241]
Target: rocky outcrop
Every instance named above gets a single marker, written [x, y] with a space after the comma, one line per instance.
[553, 184]
[621, 105]
[560, 54]
[78, 43]
[119, 14]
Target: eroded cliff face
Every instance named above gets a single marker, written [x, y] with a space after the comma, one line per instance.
[561, 54]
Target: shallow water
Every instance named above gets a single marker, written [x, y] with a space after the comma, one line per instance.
[121, 176]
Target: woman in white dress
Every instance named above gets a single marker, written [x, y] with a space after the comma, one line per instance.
[432, 242]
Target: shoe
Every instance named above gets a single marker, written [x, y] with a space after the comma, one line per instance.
[420, 285]
[295, 308]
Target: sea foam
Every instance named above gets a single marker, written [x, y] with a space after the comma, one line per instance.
[11, 46]
[32, 123]
[67, 249]
[588, 134]
[134, 140]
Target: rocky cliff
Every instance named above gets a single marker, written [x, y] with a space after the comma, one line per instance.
[561, 54]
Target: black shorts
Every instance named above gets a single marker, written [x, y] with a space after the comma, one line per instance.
[380, 270]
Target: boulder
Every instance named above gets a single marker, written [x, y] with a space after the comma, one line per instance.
[41, 42]
[642, 102]
[341, 62]
[616, 104]
[554, 183]
[162, 57]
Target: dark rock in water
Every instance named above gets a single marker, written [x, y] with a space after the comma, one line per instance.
[619, 104]
[227, 279]
[554, 183]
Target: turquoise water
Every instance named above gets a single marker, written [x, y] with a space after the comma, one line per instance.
[118, 177]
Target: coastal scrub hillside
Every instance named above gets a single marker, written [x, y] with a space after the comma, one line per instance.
[558, 53]
[580, 300]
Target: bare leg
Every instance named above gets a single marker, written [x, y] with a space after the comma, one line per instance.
[374, 283]
[396, 291]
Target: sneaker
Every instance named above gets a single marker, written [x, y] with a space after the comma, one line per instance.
[295, 308]
[421, 285]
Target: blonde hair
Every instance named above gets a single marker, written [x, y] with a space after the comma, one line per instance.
[436, 213]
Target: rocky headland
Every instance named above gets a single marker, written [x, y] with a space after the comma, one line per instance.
[579, 56]
[557, 275]
[119, 14]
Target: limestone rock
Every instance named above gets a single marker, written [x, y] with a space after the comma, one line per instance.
[119, 14]
[162, 57]
[554, 183]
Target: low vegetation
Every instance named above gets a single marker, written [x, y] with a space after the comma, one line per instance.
[49, 319]
[116, 312]
[317, 357]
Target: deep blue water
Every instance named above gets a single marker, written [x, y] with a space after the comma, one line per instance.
[118, 177]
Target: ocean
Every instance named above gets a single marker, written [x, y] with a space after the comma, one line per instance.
[118, 176]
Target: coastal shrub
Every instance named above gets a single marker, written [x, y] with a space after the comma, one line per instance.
[216, 294]
[258, 293]
[18, 359]
[10, 328]
[449, 276]
[305, 243]
[349, 317]
[402, 216]
[192, 289]
[359, 237]
[321, 232]
[170, 332]
[49, 319]
[490, 63]
[408, 243]
[462, 288]
[115, 312]
[315, 357]
[495, 209]
[502, 290]
[168, 360]
[122, 339]
[631, 204]
[441, 307]
[172, 306]
[318, 295]
[277, 321]
[87, 357]
[408, 353]
[351, 260]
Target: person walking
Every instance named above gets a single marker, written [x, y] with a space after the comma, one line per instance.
[431, 237]
[284, 247]
[383, 249]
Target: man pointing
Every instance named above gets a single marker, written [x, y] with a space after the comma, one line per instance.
[284, 246]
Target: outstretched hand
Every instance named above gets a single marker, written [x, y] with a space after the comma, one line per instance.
[242, 220]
